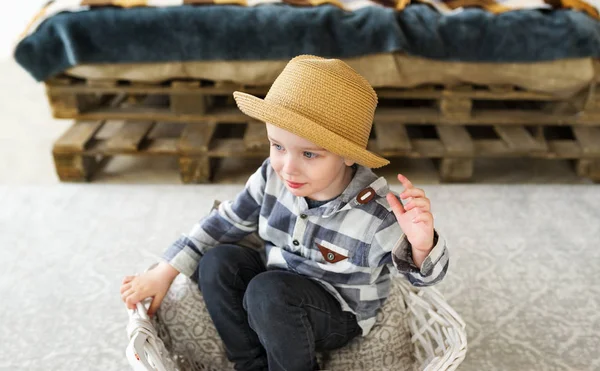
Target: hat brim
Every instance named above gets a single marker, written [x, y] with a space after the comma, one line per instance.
[297, 124]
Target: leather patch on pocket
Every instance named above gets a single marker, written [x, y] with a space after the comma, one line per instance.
[331, 256]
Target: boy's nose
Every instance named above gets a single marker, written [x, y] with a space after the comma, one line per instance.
[290, 165]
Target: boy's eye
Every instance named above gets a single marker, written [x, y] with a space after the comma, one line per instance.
[277, 146]
[309, 154]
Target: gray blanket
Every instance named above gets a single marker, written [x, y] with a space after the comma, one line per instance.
[279, 32]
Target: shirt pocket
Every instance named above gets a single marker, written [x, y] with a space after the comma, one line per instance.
[331, 253]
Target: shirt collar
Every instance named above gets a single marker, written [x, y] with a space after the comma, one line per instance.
[363, 179]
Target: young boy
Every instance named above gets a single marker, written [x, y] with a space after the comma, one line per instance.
[333, 231]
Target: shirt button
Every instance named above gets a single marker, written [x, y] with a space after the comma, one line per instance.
[303, 216]
[296, 243]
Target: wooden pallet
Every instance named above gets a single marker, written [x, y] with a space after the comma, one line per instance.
[202, 101]
[86, 147]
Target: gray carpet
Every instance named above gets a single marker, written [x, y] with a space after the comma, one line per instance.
[524, 274]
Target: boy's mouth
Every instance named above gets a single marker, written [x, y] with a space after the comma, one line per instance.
[294, 185]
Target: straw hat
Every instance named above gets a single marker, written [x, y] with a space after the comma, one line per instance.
[324, 101]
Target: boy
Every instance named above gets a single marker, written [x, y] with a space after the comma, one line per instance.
[334, 233]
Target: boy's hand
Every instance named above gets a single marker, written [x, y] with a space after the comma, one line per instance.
[153, 283]
[415, 218]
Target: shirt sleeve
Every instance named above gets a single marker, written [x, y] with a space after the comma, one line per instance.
[231, 222]
[396, 251]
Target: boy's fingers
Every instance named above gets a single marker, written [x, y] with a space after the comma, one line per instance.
[133, 299]
[396, 205]
[405, 182]
[125, 295]
[125, 287]
[413, 192]
[127, 279]
[154, 305]
[421, 203]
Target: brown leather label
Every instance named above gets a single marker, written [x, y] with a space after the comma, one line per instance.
[331, 256]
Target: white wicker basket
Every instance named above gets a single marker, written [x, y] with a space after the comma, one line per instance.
[438, 332]
[421, 333]
[416, 330]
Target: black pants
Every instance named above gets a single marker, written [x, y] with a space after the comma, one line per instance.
[270, 319]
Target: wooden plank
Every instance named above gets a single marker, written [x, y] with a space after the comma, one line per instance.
[76, 138]
[150, 147]
[233, 148]
[255, 137]
[501, 89]
[190, 101]
[429, 148]
[162, 146]
[456, 140]
[392, 137]
[101, 83]
[589, 168]
[193, 170]
[490, 148]
[518, 139]
[456, 108]
[478, 117]
[398, 115]
[453, 102]
[196, 138]
[456, 170]
[76, 167]
[136, 88]
[564, 148]
[589, 139]
[73, 86]
[129, 137]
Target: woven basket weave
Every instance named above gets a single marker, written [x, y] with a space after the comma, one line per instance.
[416, 330]
[438, 332]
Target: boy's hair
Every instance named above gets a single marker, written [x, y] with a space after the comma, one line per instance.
[324, 101]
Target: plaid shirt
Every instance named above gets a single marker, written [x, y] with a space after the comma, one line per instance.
[352, 245]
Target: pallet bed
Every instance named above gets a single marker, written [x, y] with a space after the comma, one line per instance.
[452, 125]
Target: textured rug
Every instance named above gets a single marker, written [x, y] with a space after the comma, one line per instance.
[524, 273]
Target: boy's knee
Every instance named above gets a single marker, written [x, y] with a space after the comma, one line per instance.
[215, 262]
[266, 296]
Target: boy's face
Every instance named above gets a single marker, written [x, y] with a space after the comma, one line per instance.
[306, 169]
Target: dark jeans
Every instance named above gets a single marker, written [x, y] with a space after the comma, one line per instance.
[270, 319]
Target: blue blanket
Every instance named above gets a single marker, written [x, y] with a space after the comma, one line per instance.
[280, 32]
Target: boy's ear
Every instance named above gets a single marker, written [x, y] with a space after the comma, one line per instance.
[348, 162]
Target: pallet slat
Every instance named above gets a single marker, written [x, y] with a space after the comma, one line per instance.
[589, 139]
[191, 102]
[422, 116]
[196, 138]
[255, 137]
[76, 138]
[392, 137]
[455, 106]
[234, 147]
[456, 140]
[129, 137]
[518, 138]
[163, 146]
[66, 84]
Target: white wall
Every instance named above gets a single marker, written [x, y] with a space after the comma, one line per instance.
[13, 22]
